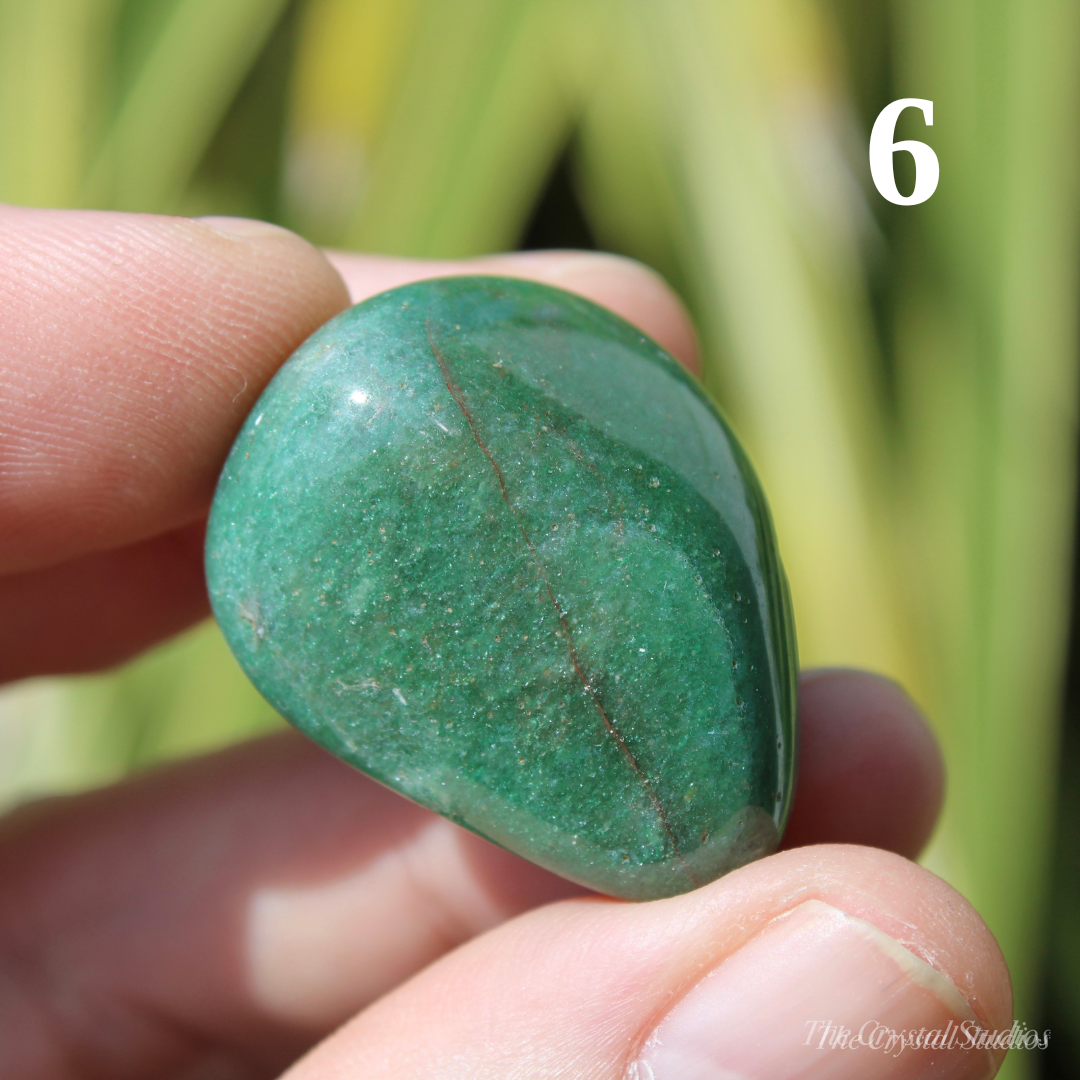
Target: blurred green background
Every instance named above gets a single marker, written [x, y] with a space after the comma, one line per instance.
[905, 378]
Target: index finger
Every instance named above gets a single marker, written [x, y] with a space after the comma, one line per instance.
[131, 348]
[136, 345]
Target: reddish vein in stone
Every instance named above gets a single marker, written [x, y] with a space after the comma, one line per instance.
[459, 398]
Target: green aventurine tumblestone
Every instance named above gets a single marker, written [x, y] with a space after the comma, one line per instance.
[491, 545]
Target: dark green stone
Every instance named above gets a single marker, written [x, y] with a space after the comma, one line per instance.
[488, 543]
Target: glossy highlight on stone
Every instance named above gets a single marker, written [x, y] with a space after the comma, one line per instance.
[488, 543]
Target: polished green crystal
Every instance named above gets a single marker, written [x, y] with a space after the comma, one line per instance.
[491, 545]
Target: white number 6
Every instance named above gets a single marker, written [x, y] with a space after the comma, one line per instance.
[882, 149]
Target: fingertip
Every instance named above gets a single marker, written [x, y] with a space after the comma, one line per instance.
[368, 275]
[244, 228]
[98, 610]
[629, 288]
[870, 770]
[865, 950]
[279, 263]
[718, 982]
[134, 345]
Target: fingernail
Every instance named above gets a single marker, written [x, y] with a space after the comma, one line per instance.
[819, 993]
[246, 228]
[567, 266]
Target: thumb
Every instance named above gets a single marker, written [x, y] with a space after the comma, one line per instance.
[828, 961]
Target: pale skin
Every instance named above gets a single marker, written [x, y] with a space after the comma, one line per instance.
[268, 909]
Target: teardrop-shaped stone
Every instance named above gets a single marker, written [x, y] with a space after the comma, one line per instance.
[488, 543]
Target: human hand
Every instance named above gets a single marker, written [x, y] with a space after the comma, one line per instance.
[220, 917]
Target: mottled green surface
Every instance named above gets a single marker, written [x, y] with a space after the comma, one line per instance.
[488, 543]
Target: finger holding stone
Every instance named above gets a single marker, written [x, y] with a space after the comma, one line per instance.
[136, 345]
[96, 610]
[245, 903]
[744, 977]
[870, 771]
[622, 285]
[257, 897]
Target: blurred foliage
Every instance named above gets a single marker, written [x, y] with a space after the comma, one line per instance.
[904, 377]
